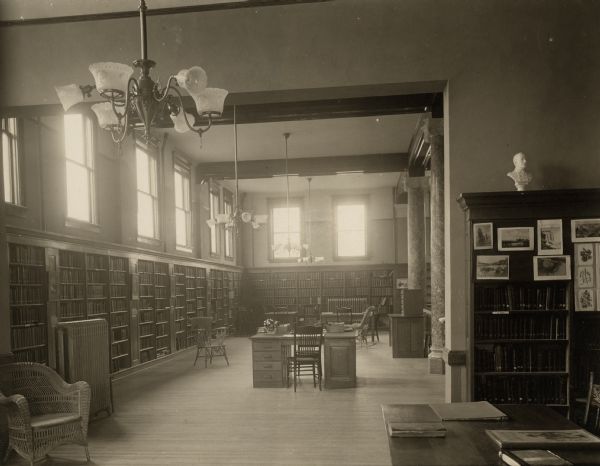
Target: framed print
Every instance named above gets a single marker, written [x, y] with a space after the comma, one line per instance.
[492, 268]
[584, 300]
[584, 254]
[549, 237]
[515, 239]
[585, 230]
[584, 276]
[551, 267]
[483, 236]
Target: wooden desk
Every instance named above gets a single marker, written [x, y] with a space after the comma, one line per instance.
[467, 444]
[406, 336]
[270, 352]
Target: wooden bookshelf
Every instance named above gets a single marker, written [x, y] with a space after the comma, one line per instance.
[147, 311]
[72, 286]
[96, 283]
[201, 292]
[217, 309]
[27, 301]
[179, 309]
[120, 315]
[162, 296]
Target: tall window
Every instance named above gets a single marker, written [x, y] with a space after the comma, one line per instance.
[147, 194]
[228, 209]
[79, 153]
[351, 234]
[183, 210]
[10, 161]
[214, 210]
[285, 231]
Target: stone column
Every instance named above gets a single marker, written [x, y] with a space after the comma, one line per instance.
[433, 132]
[415, 187]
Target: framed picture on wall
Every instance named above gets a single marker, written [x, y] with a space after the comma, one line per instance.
[585, 230]
[492, 268]
[549, 237]
[584, 254]
[551, 267]
[483, 236]
[584, 300]
[515, 239]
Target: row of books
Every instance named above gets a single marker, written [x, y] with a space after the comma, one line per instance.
[71, 291]
[381, 291]
[118, 291]
[333, 291]
[489, 326]
[519, 389]
[96, 276]
[24, 274]
[118, 263]
[146, 267]
[146, 279]
[117, 320]
[357, 291]
[96, 291]
[71, 259]
[28, 315]
[27, 255]
[24, 337]
[525, 297]
[71, 310]
[71, 275]
[39, 354]
[520, 358]
[120, 334]
[96, 261]
[308, 292]
[27, 295]
[119, 305]
[309, 283]
[95, 308]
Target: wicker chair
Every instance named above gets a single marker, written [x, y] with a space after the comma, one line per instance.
[43, 411]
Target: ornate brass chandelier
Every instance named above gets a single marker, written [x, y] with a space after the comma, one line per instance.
[134, 104]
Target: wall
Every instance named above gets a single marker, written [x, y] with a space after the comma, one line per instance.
[380, 228]
[521, 76]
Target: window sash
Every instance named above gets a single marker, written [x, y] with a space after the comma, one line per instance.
[147, 193]
[10, 161]
[80, 169]
[351, 236]
[281, 235]
[214, 209]
[183, 213]
[228, 209]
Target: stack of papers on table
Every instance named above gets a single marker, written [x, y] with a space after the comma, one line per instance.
[469, 411]
[412, 421]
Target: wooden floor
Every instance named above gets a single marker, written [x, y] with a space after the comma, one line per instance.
[177, 414]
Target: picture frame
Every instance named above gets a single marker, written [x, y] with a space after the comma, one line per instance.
[549, 237]
[584, 276]
[516, 239]
[584, 254]
[585, 300]
[585, 230]
[483, 236]
[492, 267]
[551, 268]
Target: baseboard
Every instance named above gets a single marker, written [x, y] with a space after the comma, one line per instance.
[146, 365]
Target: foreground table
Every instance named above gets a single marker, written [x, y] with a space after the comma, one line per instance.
[270, 352]
[467, 444]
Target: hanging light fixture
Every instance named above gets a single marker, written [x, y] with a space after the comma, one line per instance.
[306, 252]
[238, 216]
[132, 102]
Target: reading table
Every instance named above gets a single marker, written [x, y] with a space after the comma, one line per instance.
[467, 444]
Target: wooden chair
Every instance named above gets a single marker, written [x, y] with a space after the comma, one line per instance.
[306, 357]
[208, 347]
[43, 411]
[592, 402]
[366, 323]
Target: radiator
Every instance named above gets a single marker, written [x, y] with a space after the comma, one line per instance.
[83, 354]
[358, 305]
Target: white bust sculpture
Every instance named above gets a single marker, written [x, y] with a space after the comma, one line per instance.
[519, 175]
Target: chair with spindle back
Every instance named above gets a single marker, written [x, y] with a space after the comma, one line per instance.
[592, 403]
[306, 357]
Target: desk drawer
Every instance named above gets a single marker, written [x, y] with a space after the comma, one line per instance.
[268, 379]
[267, 366]
[269, 345]
[265, 356]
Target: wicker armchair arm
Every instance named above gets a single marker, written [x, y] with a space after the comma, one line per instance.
[18, 408]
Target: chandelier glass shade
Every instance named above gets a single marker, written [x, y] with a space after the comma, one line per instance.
[139, 103]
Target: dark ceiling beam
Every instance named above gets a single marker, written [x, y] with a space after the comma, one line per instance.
[154, 12]
[306, 166]
[418, 151]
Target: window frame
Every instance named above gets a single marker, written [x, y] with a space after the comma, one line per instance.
[214, 193]
[229, 245]
[350, 200]
[183, 168]
[155, 197]
[281, 203]
[15, 160]
[89, 142]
